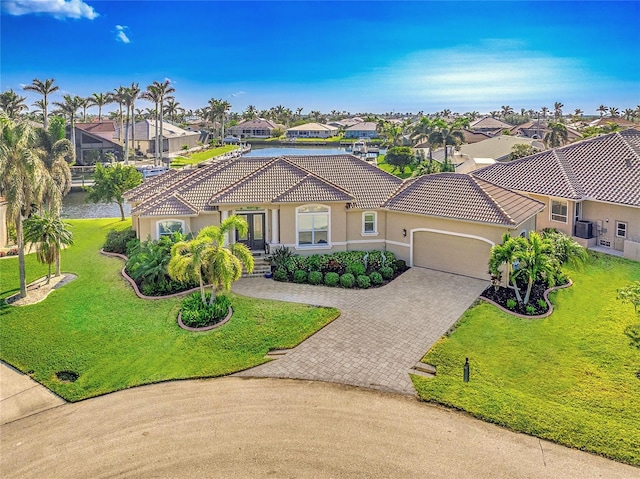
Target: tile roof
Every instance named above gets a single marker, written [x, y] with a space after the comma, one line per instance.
[463, 197]
[605, 168]
[173, 205]
[364, 126]
[313, 127]
[488, 122]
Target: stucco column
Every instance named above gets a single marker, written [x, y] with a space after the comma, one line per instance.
[223, 216]
[275, 227]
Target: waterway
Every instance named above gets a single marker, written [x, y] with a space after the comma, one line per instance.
[74, 206]
[271, 151]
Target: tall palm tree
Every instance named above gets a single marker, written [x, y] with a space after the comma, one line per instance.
[602, 109]
[99, 100]
[12, 104]
[21, 176]
[152, 94]
[506, 110]
[614, 112]
[250, 112]
[49, 234]
[173, 109]
[134, 92]
[163, 90]
[56, 153]
[556, 136]
[68, 108]
[447, 135]
[207, 259]
[629, 114]
[45, 88]
[118, 96]
[577, 112]
[84, 104]
[128, 98]
[544, 111]
[38, 112]
[557, 110]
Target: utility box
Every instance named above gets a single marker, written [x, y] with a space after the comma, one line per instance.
[584, 229]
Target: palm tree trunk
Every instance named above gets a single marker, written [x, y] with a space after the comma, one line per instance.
[160, 139]
[126, 140]
[529, 286]
[45, 122]
[133, 126]
[517, 291]
[20, 241]
[58, 261]
[204, 300]
[156, 158]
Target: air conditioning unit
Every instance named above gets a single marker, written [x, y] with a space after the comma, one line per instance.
[584, 229]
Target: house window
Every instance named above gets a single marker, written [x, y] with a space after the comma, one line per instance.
[313, 225]
[621, 229]
[169, 227]
[369, 223]
[559, 211]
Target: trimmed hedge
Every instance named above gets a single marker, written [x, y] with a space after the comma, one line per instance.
[315, 277]
[347, 280]
[331, 279]
[363, 281]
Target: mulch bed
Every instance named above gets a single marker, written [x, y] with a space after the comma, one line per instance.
[501, 295]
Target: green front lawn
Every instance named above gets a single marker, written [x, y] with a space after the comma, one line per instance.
[570, 378]
[97, 327]
[391, 169]
[201, 156]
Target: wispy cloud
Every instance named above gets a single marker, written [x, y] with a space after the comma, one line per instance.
[59, 9]
[121, 36]
[237, 94]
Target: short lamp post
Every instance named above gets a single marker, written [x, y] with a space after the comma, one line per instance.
[465, 369]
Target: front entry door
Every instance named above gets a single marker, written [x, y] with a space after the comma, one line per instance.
[254, 239]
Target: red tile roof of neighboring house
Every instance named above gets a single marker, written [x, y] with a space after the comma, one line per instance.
[463, 197]
[105, 126]
[604, 168]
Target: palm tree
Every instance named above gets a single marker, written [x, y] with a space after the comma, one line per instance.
[49, 234]
[45, 88]
[614, 112]
[152, 94]
[250, 112]
[447, 135]
[602, 109]
[207, 259]
[506, 254]
[557, 110]
[577, 112]
[134, 92]
[21, 177]
[12, 104]
[118, 96]
[556, 136]
[163, 91]
[57, 153]
[506, 110]
[629, 114]
[68, 109]
[535, 261]
[544, 111]
[39, 110]
[128, 99]
[299, 112]
[99, 100]
[84, 104]
[173, 109]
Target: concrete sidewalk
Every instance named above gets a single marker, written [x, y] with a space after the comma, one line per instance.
[21, 396]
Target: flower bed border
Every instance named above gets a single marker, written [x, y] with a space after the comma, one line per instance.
[135, 286]
[535, 316]
[205, 328]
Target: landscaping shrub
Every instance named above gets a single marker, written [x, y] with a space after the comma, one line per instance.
[300, 276]
[386, 272]
[511, 304]
[317, 262]
[356, 269]
[116, 241]
[376, 278]
[331, 279]
[197, 314]
[363, 281]
[531, 309]
[315, 277]
[347, 280]
[542, 304]
[279, 257]
[296, 263]
[400, 265]
[281, 274]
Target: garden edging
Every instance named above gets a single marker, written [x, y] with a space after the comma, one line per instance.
[537, 316]
[135, 286]
[206, 328]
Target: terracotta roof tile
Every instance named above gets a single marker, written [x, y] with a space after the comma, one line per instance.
[605, 168]
[173, 205]
[312, 188]
[462, 197]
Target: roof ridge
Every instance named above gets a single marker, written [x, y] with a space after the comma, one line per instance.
[477, 181]
[568, 173]
[242, 180]
[322, 178]
[312, 176]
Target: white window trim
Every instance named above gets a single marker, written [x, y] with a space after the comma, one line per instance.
[626, 227]
[559, 200]
[375, 224]
[158, 235]
[314, 246]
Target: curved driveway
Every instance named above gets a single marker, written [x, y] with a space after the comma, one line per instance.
[380, 335]
[232, 428]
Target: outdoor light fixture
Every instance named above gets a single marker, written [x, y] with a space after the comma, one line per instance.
[404, 232]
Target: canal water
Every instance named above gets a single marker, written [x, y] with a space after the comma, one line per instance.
[270, 151]
[74, 206]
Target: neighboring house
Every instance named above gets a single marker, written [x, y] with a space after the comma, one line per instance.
[173, 137]
[318, 204]
[604, 121]
[497, 148]
[366, 129]
[256, 128]
[489, 125]
[312, 130]
[94, 140]
[537, 129]
[591, 189]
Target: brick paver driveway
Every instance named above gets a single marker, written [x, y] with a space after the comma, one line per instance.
[381, 334]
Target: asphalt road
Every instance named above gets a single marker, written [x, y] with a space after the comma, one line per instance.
[234, 427]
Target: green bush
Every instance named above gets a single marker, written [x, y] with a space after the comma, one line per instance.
[331, 279]
[317, 262]
[279, 257]
[300, 276]
[347, 280]
[281, 274]
[511, 304]
[531, 309]
[116, 241]
[542, 304]
[376, 278]
[386, 272]
[363, 281]
[356, 269]
[400, 265]
[197, 314]
[315, 277]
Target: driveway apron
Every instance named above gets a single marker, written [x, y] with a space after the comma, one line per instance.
[381, 333]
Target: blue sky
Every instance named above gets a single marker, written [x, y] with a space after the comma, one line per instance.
[360, 56]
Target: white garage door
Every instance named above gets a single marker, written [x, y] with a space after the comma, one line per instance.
[452, 254]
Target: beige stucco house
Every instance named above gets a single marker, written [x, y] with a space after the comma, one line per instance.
[312, 130]
[591, 189]
[319, 204]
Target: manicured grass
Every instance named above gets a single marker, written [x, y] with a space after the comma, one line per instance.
[570, 378]
[201, 156]
[97, 327]
[394, 171]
